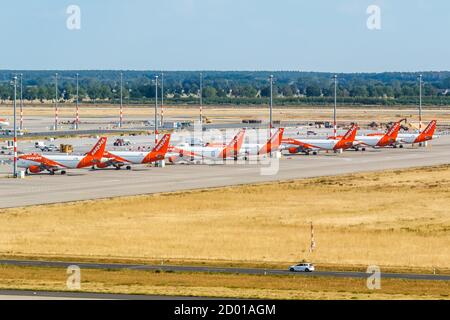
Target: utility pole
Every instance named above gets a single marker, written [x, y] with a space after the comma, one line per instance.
[121, 101]
[156, 109]
[21, 103]
[420, 103]
[201, 98]
[77, 111]
[162, 98]
[271, 102]
[335, 107]
[15, 129]
[56, 101]
[312, 245]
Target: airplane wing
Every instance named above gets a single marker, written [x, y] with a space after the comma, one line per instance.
[112, 160]
[178, 154]
[297, 146]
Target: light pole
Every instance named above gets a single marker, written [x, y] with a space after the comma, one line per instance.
[21, 103]
[56, 101]
[129, 96]
[201, 98]
[335, 107]
[420, 103]
[162, 98]
[77, 107]
[121, 101]
[271, 102]
[15, 129]
[156, 109]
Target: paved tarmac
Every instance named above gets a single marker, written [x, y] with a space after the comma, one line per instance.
[86, 184]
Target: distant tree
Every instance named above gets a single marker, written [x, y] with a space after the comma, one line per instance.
[245, 91]
[209, 92]
[265, 92]
[31, 93]
[313, 91]
[287, 91]
[359, 91]
[429, 90]
[221, 93]
[407, 91]
[446, 83]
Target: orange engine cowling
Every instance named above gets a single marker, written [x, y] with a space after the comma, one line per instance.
[34, 169]
[293, 150]
[172, 159]
[102, 165]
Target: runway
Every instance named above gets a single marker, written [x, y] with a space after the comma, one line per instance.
[206, 269]
[86, 184]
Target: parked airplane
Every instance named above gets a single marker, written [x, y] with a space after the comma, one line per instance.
[214, 152]
[118, 159]
[4, 123]
[313, 146]
[36, 163]
[424, 136]
[378, 140]
[255, 149]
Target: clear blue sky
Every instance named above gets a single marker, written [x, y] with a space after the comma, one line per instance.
[308, 35]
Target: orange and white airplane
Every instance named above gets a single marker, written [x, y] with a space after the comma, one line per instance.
[118, 159]
[255, 149]
[315, 145]
[378, 140]
[4, 123]
[214, 152]
[424, 136]
[36, 163]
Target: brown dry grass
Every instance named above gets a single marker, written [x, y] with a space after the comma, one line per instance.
[220, 285]
[227, 114]
[394, 218]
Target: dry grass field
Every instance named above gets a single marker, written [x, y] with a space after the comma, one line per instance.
[218, 285]
[230, 114]
[392, 219]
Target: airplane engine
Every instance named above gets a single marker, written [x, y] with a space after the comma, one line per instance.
[35, 169]
[102, 165]
[293, 150]
[172, 159]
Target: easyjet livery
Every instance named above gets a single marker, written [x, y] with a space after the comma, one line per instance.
[119, 159]
[4, 123]
[255, 149]
[314, 145]
[378, 141]
[36, 163]
[185, 152]
[424, 136]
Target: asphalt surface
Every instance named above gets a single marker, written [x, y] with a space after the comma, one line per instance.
[206, 269]
[85, 184]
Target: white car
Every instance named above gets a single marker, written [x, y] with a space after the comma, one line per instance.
[302, 267]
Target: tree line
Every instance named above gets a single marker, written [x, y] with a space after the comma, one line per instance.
[238, 87]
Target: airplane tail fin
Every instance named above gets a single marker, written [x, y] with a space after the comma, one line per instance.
[351, 134]
[392, 133]
[348, 139]
[430, 129]
[232, 149]
[95, 155]
[237, 140]
[162, 146]
[99, 149]
[274, 142]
